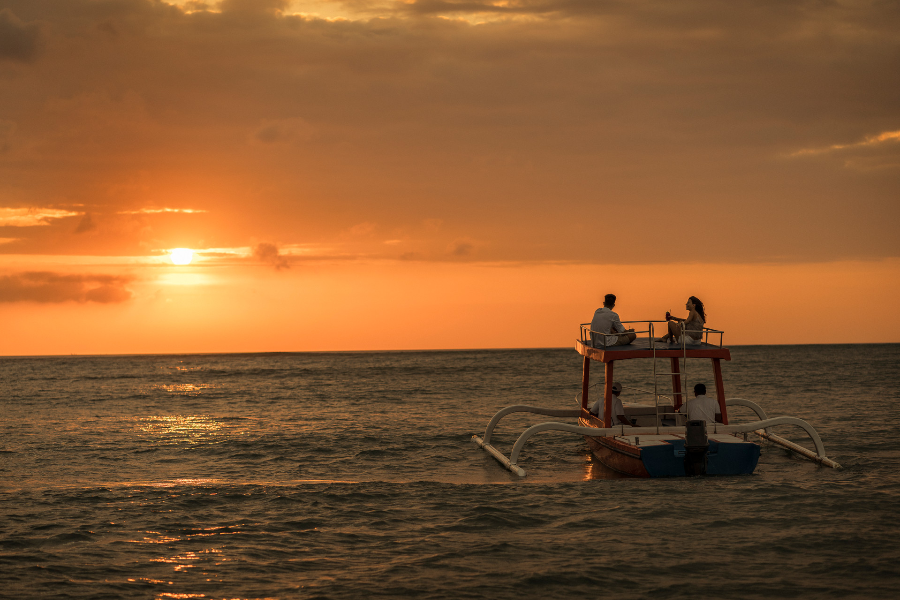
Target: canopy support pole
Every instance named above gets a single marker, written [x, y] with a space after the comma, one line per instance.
[607, 402]
[720, 389]
[585, 382]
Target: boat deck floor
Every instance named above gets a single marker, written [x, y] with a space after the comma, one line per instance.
[641, 348]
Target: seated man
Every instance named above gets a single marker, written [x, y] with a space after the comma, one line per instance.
[618, 411]
[701, 407]
[605, 321]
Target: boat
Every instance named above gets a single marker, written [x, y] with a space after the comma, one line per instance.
[661, 441]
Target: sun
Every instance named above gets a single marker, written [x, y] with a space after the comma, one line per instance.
[181, 256]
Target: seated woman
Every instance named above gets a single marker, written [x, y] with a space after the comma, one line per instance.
[687, 331]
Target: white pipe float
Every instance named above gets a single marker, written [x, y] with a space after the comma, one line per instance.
[777, 439]
[550, 412]
[486, 442]
[499, 456]
[805, 452]
[751, 405]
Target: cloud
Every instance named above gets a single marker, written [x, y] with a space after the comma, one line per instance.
[283, 131]
[362, 229]
[268, 254]
[18, 41]
[32, 217]
[432, 225]
[156, 211]
[448, 7]
[86, 224]
[7, 129]
[253, 6]
[583, 108]
[871, 141]
[46, 287]
[461, 248]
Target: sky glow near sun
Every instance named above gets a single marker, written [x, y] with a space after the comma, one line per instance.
[181, 256]
[459, 168]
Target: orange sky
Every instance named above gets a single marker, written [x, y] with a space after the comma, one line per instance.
[440, 174]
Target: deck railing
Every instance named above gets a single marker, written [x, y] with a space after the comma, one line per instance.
[599, 339]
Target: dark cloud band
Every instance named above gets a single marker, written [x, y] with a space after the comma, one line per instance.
[47, 287]
[18, 41]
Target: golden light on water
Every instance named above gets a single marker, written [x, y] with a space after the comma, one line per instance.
[179, 429]
[181, 256]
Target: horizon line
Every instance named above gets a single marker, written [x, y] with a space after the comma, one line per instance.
[393, 351]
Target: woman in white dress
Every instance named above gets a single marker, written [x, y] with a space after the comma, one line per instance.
[690, 328]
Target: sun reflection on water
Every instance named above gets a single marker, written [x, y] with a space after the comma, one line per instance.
[186, 481]
[184, 389]
[180, 428]
[180, 561]
[594, 469]
[183, 368]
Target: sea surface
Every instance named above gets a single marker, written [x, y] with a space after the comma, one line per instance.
[353, 475]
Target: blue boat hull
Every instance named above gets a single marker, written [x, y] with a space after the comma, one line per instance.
[667, 460]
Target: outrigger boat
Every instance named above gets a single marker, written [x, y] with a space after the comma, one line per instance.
[661, 442]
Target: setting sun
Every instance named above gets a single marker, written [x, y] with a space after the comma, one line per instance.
[181, 256]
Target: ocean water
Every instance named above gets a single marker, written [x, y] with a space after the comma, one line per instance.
[353, 475]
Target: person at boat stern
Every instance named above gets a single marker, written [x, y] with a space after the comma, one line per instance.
[687, 331]
[701, 406]
[606, 327]
[618, 411]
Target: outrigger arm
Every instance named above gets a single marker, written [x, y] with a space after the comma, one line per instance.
[777, 439]
[486, 442]
[756, 426]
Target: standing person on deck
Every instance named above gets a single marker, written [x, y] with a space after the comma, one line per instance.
[606, 321]
[701, 407]
[690, 330]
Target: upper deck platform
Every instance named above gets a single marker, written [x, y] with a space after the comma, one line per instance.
[643, 346]
[640, 348]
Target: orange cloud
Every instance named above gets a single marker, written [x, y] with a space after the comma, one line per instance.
[868, 142]
[32, 217]
[253, 6]
[86, 224]
[18, 41]
[461, 248]
[47, 287]
[283, 131]
[618, 112]
[156, 211]
[268, 254]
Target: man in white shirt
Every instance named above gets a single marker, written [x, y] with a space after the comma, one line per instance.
[607, 322]
[618, 411]
[701, 406]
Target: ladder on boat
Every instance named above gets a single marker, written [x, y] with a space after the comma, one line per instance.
[679, 375]
[678, 371]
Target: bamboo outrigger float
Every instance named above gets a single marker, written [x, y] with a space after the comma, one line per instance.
[660, 442]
